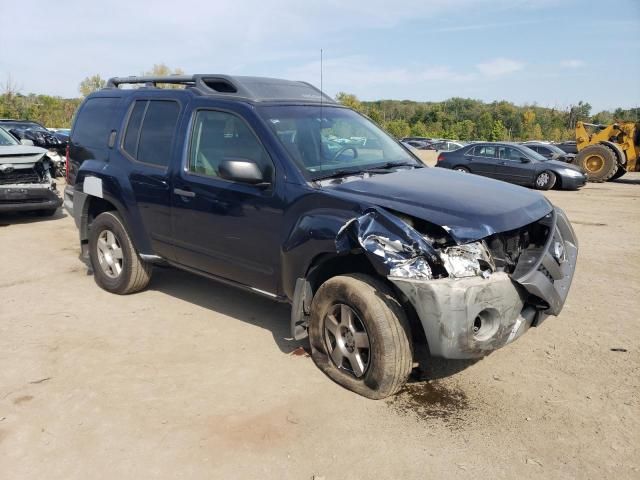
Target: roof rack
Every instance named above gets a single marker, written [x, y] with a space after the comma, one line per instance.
[250, 88]
[151, 81]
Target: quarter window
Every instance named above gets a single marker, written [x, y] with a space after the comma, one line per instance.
[218, 136]
[93, 124]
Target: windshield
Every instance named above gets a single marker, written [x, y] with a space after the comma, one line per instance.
[6, 138]
[555, 149]
[343, 140]
[533, 154]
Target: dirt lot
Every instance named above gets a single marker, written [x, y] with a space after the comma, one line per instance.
[194, 379]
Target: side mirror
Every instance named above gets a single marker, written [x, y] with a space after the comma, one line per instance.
[525, 160]
[25, 141]
[241, 170]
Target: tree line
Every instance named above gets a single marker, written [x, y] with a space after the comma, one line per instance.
[455, 118]
[469, 119]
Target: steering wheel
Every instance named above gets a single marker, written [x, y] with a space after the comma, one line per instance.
[344, 149]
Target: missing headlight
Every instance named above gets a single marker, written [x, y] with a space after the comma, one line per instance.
[467, 260]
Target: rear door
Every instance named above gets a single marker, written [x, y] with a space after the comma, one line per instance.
[483, 160]
[511, 167]
[149, 142]
[225, 228]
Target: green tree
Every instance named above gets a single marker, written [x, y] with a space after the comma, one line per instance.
[485, 126]
[349, 100]
[162, 70]
[91, 84]
[498, 131]
[398, 128]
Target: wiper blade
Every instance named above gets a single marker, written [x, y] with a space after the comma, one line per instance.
[343, 172]
[388, 165]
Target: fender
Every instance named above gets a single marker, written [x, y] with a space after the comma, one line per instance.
[622, 158]
[111, 191]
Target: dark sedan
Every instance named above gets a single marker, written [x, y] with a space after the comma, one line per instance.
[513, 163]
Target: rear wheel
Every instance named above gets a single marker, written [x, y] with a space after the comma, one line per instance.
[599, 161]
[461, 169]
[545, 180]
[116, 265]
[360, 336]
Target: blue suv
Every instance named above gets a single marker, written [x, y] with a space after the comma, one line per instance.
[271, 186]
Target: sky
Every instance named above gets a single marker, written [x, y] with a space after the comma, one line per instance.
[549, 52]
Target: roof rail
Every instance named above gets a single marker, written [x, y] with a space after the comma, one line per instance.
[151, 81]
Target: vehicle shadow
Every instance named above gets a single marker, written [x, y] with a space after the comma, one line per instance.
[273, 316]
[229, 301]
[433, 368]
[635, 180]
[17, 218]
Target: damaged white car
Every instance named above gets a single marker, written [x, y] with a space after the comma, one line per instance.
[26, 182]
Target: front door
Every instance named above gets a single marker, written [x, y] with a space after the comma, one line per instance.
[228, 229]
[512, 168]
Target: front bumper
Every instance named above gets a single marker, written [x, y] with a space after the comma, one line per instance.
[573, 183]
[26, 197]
[472, 317]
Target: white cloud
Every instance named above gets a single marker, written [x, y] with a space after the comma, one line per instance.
[573, 63]
[499, 67]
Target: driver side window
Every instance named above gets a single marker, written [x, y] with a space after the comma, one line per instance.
[218, 136]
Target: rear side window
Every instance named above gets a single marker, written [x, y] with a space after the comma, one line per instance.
[151, 130]
[486, 151]
[94, 121]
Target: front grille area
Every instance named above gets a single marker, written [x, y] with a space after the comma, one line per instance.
[524, 246]
[26, 175]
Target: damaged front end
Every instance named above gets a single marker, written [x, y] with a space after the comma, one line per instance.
[476, 297]
[26, 184]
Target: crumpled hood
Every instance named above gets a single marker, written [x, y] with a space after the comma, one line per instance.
[468, 206]
[17, 154]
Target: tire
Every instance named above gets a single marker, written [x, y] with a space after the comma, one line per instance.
[461, 169]
[599, 161]
[545, 180]
[620, 172]
[376, 313]
[116, 265]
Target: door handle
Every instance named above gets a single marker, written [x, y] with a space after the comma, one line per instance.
[184, 193]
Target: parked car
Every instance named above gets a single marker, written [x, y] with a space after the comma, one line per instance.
[445, 146]
[233, 178]
[417, 144]
[550, 151]
[25, 178]
[417, 139]
[61, 134]
[513, 163]
[568, 147]
[41, 137]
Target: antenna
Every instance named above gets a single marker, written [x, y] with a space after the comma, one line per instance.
[321, 113]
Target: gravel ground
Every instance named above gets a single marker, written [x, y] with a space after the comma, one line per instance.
[197, 380]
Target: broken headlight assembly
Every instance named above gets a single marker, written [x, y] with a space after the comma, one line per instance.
[467, 260]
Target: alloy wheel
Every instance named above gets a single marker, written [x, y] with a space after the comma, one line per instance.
[347, 340]
[110, 254]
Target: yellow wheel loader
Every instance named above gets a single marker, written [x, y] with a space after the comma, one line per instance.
[607, 152]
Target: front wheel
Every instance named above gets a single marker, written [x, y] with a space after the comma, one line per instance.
[116, 265]
[545, 180]
[360, 336]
